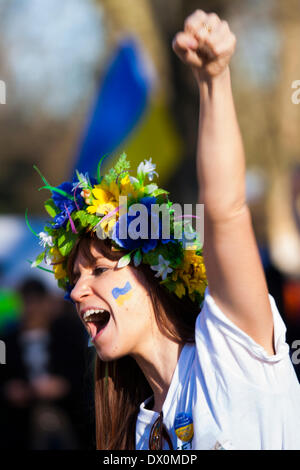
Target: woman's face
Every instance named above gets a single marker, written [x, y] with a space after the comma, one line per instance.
[114, 306]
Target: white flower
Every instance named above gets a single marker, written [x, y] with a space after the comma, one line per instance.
[45, 239]
[83, 181]
[147, 168]
[162, 267]
[133, 179]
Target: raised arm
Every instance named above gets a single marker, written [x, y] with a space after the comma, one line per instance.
[235, 275]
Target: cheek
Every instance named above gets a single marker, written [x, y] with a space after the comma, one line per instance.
[122, 294]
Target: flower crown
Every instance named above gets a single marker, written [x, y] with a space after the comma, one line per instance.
[88, 204]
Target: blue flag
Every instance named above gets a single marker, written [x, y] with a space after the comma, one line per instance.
[122, 98]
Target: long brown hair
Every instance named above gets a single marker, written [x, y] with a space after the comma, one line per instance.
[120, 385]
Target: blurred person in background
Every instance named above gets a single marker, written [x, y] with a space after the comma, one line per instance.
[41, 394]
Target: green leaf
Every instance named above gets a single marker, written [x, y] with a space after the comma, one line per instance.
[42, 177]
[150, 188]
[151, 257]
[169, 284]
[84, 219]
[59, 191]
[99, 177]
[92, 220]
[51, 208]
[110, 176]
[66, 242]
[121, 166]
[79, 216]
[124, 261]
[40, 267]
[62, 283]
[38, 260]
[159, 191]
[28, 224]
[137, 259]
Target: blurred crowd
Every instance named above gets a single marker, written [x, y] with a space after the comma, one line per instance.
[46, 390]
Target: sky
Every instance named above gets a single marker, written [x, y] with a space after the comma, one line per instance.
[51, 48]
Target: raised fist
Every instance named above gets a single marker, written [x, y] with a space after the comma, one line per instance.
[206, 44]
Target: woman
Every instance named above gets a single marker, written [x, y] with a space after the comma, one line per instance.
[167, 377]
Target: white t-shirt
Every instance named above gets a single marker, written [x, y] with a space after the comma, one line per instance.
[227, 392]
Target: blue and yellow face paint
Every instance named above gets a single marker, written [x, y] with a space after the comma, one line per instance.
[122, 294]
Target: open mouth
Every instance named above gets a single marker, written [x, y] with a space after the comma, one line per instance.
[96, 320]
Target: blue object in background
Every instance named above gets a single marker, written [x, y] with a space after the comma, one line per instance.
[121, 101]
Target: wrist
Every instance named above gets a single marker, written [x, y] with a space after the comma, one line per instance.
[211, 83]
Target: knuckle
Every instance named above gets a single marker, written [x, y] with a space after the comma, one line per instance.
[213, 16]
[178, 43]
[192, 20]
[216, 49]
[199, 12]
[176, 39]
[225, 24]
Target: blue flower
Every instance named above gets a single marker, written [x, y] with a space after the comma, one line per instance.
[65, 204]
[67, 296]
[146, 243]
[60, 219]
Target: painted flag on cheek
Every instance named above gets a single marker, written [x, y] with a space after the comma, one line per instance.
[122, 294]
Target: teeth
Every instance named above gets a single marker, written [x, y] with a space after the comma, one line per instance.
[92, 311]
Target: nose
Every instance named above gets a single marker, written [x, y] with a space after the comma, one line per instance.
[81, 290]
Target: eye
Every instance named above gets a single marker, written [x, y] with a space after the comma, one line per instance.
[98, 271]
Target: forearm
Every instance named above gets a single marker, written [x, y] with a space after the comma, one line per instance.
[234, 271]
[220, 153]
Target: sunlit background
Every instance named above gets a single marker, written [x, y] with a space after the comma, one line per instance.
[90, 77]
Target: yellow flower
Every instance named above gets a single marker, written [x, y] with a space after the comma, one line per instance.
[192, 274]
[105, 193]
[127, 188]
[107, 225]
[55, 255]
[123, 188]
[59, 271]
[179, 289]
[100, 201]
[57, 260]
[112, 189]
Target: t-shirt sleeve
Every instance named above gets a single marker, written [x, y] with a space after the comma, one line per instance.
[231, 349]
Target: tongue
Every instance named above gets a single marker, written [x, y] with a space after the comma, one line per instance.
[95, 327]
[92, 327]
